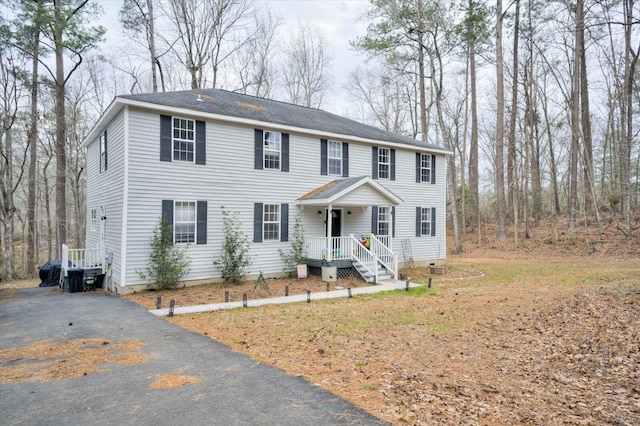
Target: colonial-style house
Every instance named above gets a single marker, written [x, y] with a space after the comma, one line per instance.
[368, 199]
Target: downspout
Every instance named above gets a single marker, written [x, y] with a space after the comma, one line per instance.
[329, 232]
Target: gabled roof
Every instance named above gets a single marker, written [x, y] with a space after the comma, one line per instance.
[251, 109]
[332, 192]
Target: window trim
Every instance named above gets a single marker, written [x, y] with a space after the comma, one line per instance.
[276, 221]
[194, 222]
[94, 220]
[428, 221]
[387, 163]
[384, 212]
[181, 140]
[266, 150]
[103, 152]
[330, 157]
[425, 171]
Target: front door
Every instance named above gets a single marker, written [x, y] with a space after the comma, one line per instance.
[336, 223]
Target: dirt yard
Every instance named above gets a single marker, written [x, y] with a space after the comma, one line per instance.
[543, 332]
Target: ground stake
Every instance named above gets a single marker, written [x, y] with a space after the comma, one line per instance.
[244, 300]
[159, 302]
[172, 304]
[308, 296]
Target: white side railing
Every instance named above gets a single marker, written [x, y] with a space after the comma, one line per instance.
[386, 240]
[384, 254]
[366, 258]
[334, 248]
[81, 259]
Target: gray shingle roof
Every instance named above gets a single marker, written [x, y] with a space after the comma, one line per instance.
[222, 102]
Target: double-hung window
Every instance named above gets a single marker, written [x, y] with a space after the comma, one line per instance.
[384, 163]
[94, 219]
[334, 157]
[103, 152]
[425, 221]
[271, 222]
[425, 168]
[184, 222]
[272, 149]
[184, 139]
[383, 220]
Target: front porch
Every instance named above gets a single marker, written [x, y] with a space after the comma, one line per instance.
[371, 256]
[356, 218]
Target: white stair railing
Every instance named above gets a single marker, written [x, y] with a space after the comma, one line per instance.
[384, 254]
[81, 259]
[366, 258]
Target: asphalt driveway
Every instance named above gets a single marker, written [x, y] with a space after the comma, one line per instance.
[234, 388]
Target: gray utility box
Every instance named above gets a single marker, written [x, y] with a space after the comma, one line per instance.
[329, 274]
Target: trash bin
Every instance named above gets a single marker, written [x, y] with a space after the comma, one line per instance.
[75, 280]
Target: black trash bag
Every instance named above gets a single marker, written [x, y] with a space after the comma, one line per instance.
[50, 273]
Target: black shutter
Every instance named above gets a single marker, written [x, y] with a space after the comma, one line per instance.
[257, 222]
[285, 152]
[418, 167]
[201, 142]
[433, 221]
[284, 222]
[392, 173]
[167, 214]
[105, 150]
[374, 220]
[345, 159]
[324, 168]
[374, 163]
[393, 221]
[418, 220]
[433, 168]
[259, 145]
[165, 138]
[202, 222]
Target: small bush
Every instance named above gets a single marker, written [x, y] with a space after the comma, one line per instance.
[297, 255]
[168, 264]
[235, 258]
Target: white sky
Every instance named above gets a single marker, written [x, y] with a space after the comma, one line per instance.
[339, 21]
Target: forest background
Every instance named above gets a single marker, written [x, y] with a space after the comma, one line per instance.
[538, 100]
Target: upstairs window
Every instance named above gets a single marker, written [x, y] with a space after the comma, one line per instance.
[272, 146]
[384, 163]
[184, 139]
[425, 167]
[184, 222]
[103, 152]
[271, 222]
[334, 157]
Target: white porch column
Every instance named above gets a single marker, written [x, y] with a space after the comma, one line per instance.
[329, 230]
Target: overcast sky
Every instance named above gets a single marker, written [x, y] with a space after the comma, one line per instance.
[339, 21]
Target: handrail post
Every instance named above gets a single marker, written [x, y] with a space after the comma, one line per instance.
[65, 260]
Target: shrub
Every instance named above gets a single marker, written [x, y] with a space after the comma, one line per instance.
[297, 255]
[168, 263]
[235, 258]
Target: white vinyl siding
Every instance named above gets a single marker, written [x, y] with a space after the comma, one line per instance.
[229, 180]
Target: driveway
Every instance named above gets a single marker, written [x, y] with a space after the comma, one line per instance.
[231, 388]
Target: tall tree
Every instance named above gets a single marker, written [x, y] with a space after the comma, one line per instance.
[501, 212]
[307, 60]
[575, 115]
[66, 25]
[139, 16]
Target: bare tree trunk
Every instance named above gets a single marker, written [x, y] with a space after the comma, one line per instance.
[152, 46]
[575, 118]
[61, 130]
[473, 150]
[511, 148]
[32, 136]
[499, 154]
[587, 144]
[423, 95]
[630, 61]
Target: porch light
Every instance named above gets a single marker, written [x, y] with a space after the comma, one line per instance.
[319, 212]
[349, 212]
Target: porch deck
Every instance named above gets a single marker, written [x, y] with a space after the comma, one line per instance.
[371, 255]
